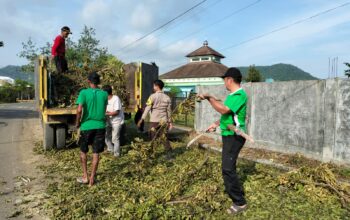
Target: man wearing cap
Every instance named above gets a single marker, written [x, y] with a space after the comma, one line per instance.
[91, 120]
[58, 50]
[233, 111]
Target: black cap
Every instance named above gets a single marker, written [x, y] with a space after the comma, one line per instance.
[66, 28]
[234, 73]
[94, 78]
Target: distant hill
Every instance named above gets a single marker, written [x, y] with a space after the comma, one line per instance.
[15, 72]
[281, 72]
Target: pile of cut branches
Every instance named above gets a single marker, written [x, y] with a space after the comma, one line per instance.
[68, 85]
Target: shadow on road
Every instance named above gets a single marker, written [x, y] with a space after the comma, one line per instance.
[3, 124]
[18, 114]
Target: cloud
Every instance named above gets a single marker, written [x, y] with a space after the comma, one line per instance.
[303, 39]
[141, 18]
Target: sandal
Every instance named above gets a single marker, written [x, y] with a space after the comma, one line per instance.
[235, 209]
[82, 181]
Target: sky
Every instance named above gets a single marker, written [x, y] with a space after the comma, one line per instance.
[231, 27]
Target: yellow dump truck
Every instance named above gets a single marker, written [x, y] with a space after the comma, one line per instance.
[58, 123]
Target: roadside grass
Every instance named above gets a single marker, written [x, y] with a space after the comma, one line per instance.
[189, 186]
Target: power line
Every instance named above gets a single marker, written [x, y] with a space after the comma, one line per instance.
[163, 25]
[204, 27]
[287, 26]
[202, 11]
[181, 22]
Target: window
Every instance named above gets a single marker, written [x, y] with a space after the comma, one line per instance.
[204, 58]
[195, 59]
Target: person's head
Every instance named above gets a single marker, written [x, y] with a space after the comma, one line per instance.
[232, 78]
[94, 79]
[65, 31]
[108, 89]
[158, 85]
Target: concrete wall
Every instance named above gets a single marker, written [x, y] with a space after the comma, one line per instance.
[310, 117]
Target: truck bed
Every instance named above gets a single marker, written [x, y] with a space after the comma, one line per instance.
[61, 111]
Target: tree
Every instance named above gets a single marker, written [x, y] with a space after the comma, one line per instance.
[83, 56]
[46, 50]
[86, 52]
[7, 93]
[29, 52]
[347, 72]
[253, 75]
[174, 91]
[23, 89]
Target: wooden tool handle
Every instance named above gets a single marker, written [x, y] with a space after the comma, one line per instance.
[241, 133]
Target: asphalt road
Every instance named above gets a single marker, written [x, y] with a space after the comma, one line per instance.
[19, 129]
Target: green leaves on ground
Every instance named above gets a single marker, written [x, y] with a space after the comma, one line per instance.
[143, 184]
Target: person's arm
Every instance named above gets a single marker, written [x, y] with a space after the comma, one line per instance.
[149, 104]
[169, 115]
[78, 117]
[213, 126]
[116, 108]
[80, 102]
[217, 105]
[57, 42]
[112, 113]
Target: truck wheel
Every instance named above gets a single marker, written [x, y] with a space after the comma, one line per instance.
[60, 136]
[49, 136]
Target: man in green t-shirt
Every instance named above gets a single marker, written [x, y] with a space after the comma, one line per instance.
[233, 112]
[91, 119]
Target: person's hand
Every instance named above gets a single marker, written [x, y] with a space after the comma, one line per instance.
[77, 125]
[171, 126]
[202, 96]
[212, 127]
[139, 123]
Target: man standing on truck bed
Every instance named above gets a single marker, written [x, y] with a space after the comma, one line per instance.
[159, 107]
[91, 120]
[58, 50]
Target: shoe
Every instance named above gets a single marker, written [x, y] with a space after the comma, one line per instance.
[235, 209]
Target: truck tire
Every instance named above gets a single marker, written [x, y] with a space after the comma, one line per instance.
[60, 136]
[49, 136]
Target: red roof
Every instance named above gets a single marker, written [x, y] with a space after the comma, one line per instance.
[205, 50]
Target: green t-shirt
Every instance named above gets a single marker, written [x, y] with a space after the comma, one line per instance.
[237, 103]
[94, 102]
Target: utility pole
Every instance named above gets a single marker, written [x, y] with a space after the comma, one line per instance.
[329, 67]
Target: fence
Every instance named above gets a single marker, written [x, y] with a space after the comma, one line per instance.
[186, 119]
[309, 117]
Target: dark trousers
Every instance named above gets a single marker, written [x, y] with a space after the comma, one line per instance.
[61, 64]
[232, 145]
[155, 133]
[138, 117]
